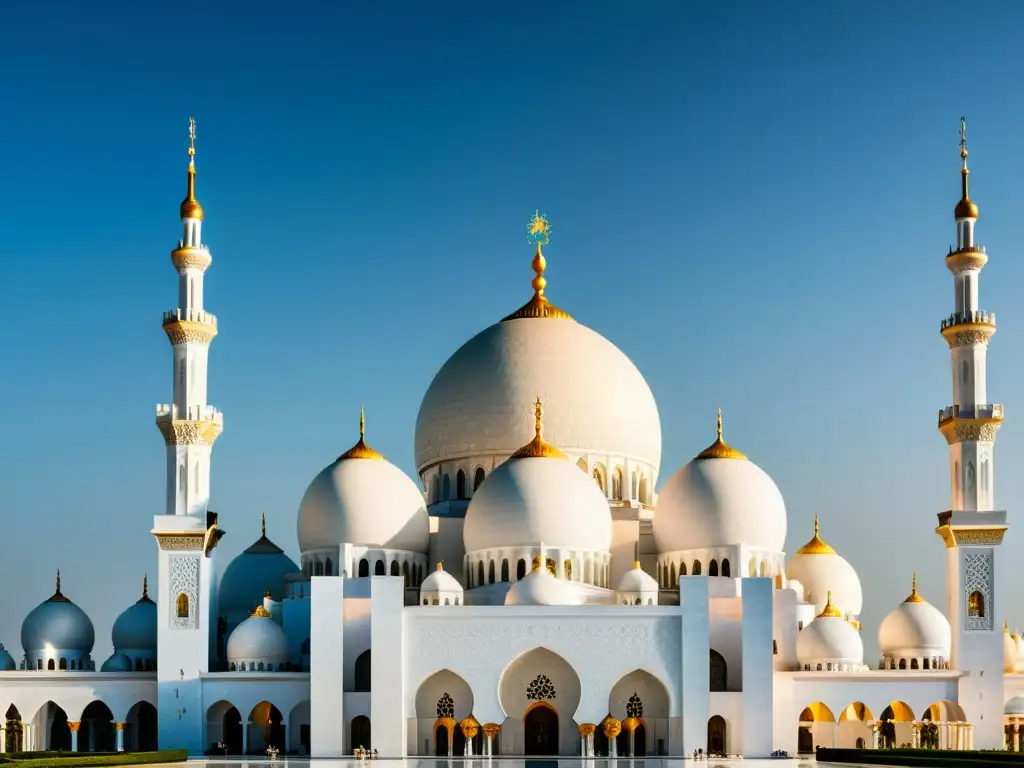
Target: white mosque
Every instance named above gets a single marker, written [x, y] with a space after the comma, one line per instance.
[528, 593]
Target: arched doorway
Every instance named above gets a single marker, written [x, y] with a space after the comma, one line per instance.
[266, 729]
[816, 728]
[140, 728]
[362, 676]
[640, 741]
[719, 672]
[441, 740]
[96, 732]
[716, 735]
[51, 723]
[14, 734]
[360, 733]
[540, 729]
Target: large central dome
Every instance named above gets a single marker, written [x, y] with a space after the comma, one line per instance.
[598, 401]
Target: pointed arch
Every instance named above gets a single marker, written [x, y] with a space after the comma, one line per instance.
[141, 728]
[719, 672]
[460, 484]
[94, 731]
[362, 676]
[478, 478]
[224, 724]
[639, 694]
[539, 675]
[617, 483]
[444, 692]
[266, 728]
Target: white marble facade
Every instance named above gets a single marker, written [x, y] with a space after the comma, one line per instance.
[530, 594]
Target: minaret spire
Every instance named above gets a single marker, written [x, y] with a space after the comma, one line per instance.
[972, 528]
[189, 424]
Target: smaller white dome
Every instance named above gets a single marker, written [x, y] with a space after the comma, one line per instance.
[1014, 706]
[7, 662]
[440, 581]
[136, 628]
[259, 640]
[637, 580]
[720, 499]
[117, 662]
[915, 629]
[821, 570]
[830, 639]
[540, 587]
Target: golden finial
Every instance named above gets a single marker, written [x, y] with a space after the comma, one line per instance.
[914, 597]
[816, 546]
[830, 611]
[190, 207]
[636, 565]
[539, 232]
[261, 612]
[719, 449]
[965, 209]
[58, 596]
[537, 448]
[440, 565]
[361, 450]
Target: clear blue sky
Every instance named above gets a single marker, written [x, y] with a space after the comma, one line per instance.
[753, 200]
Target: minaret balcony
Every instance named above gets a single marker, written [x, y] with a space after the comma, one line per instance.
[184, 326]
[194, 425]
[962, 328]
[985, 412]
[191, 257]
[966, 258]
[967, 423]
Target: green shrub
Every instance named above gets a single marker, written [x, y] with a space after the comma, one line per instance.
[92, 759]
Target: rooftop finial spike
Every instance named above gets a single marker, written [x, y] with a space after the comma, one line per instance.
[965, 209]
[913, 583]
[58, 581]
[362, 422]
[817, 524]
[538, 231]
[263, 524]
[145, 586]
[538, 411]
[190, 207]
[719, 422]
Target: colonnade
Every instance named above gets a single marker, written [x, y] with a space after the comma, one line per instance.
[951, 734]
[28, 734]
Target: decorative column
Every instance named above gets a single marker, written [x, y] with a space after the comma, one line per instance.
[119, 736]
[74, 725]
[470, 728]
[612, 728]
[915, 734]
[629, 725]
[245, 737]
[876, 726]
[586, 739]
[490, 731]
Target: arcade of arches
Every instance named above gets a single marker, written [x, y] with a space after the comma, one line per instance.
[942, 725]
[539, 693]
[95, 729]
[265, 726]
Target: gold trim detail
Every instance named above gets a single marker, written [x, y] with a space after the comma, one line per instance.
[630, 724]
[539, 306]
[537, 448]
[179, 541]
[260, 613]
[491, 729]
[191, 258]
[965, 259]
[970, 537]
[189, 432]
[957, 430]
[187, 331]
[830, 611]
[611, 727]
[586, 729]
[816, 546]
[965, 334]
[719, 449]
[361, 450]
[914, 597]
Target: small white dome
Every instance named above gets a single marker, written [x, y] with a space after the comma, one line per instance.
[57, 625]
[260, 567]
[720, 498]
[136, 628]
[258, 639]
[540, 587]
[598, 399]
[915, 629]
[7, 662]
[1014, 706]
[440, 580]
[829, 639]
[117, 662]
[364, 500]
[820, 569]
[637, 579]
[538, 497]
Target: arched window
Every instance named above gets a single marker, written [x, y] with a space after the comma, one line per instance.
[617, 483]
[976, 604]
[696, 568]
[725, 567]
[328, 567]
[504, 570]
[682, 570]
[63, 664]
[713, 568]
[634, 485]
[364, 567]
[903, 663]
[521, 569]
[50, 666]
[971, 480]
[645, 496]
[672, 581]
[405, 572]
[318, 569]
[478, 477]
[965, 374]
[567, 568]
[181, 604]
[719, 671]
[378, 569]
[480, 574]
[490, 572]
[913, 664]
[394, 568]
[460, 485]
[446, 488]
[432, 496]
[363, 672]
[447, 601]
[181, 478]
[599, 476]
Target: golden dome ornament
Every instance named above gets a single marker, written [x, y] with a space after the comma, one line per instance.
[361, 450]
[965, 209]
[538, 231]
[190, 207]
[816, 546]
[538, 448]
[719, 449]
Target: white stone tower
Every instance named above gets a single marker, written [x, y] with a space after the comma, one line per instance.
[972, 530]
[187, 533]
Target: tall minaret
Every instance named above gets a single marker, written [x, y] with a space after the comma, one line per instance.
[188, 424]
[972, 530]
[187, 532]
